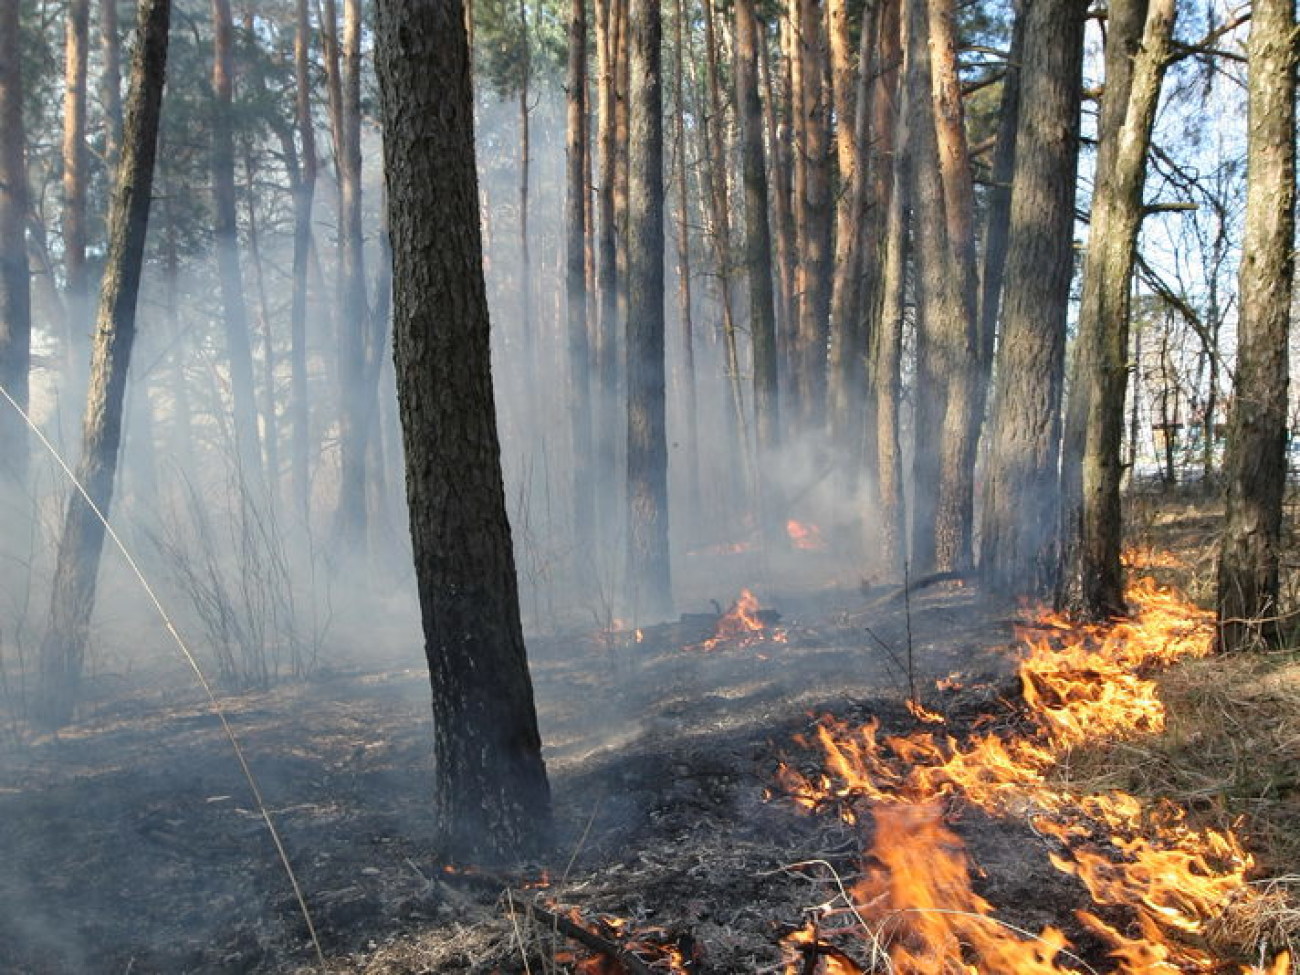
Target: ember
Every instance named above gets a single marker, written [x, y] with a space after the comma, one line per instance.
[1137, 859]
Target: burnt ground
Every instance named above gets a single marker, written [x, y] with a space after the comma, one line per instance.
[130, 842]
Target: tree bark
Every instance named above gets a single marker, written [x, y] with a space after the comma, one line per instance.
[758, 239]
[1255, 467]
[72, 599]
[15, 275]
[1094, 581]
[76, 283]
[304, 192]
[584, 528]
[226, 231]
[354, 326]
[812, 214]
[888, 346]
[605, 384]
[685, 285]
[648, 576]
[1020, 513]
[111, 81]
[491, 801]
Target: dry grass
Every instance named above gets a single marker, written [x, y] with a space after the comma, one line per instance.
[1230, 751]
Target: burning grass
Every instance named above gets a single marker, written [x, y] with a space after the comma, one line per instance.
[1164, 888]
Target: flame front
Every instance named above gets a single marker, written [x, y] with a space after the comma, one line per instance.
[1138, 859]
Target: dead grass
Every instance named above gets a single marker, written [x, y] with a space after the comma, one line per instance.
[1230, 751]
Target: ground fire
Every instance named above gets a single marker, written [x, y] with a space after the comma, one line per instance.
[1158, 881]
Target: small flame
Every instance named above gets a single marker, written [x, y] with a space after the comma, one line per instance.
[804, 535]
[922, 713]
[741, 626]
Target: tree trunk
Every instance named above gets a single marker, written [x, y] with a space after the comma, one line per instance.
[812, 214]
[778, 130]
[304, 192]
[888, 346]
[226, 232]
[73, 596]
[111, 82]
[685, 309]
[1255, 468]
[648, 575]
[998, 216]
[354, 326]
[584, 527]
[714, 131]
[491, 802]
[76, 283]
[1094, 582]
[1020, 513]
[15, 276]
[605, 385]
[848, 331]
[758, 246]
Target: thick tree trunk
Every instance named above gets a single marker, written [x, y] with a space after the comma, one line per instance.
[1094, 582]
[584, 527]
[1020, 514]
[226, 231]
[955, 328]
[1255, 468]
[779, 186]
[15, 276]
[72, 598]
[758, 261]
[812, 214]
[848, 323]
[648, 574]
[491, 801]
[304, 192]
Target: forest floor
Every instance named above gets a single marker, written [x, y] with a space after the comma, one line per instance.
[130, 842]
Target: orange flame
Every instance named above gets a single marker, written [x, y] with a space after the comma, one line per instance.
[741, 626]
[804, 535]
[1081, 685]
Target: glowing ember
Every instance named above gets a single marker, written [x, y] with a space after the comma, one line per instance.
[1136, 858]
[742, 626]
[804, 535]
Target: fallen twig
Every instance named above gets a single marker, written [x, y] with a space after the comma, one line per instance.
[631, 961]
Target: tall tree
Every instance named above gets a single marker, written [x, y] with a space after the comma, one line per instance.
[1093, 584]
[15, 278]
[304, 192]
[685, 289]
[75, 156]
[758, 248]
[354, 325]
[812, 210]
[888, 330]
[1255, 467]
[648, 573]
[1020, 495]
[110, 81]
[575, 289]
[239, 350]
[491, 801]
[81, 543]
